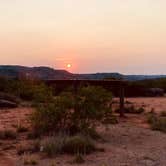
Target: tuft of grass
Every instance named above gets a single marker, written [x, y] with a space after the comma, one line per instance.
[21, 149]
[53, 145]
[21, 129]
[30, 162]
[92, 133]
[132, 110]
[110, 120]
[78, 159]
[160, 124]
[8, 134]
[157, 122]
[34, 147]
[33, 135]
[79, 144]
[163, 114]
[69, 144]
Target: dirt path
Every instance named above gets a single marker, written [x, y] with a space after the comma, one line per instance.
[6, 161]
[129, 143]
[158, 104]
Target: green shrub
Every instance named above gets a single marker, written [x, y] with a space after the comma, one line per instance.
[53, 116]
[151, 118]
[73, 113]
[26, 89]
[157, 122]
[67, 144]
[91, 132]
[78, 144]
[53, 145]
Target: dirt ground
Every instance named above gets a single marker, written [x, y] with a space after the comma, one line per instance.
[129, 143]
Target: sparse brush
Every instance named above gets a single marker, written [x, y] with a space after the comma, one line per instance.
[110, 120]
[21, 149]
[157, 122]
[92, 133]
[68, 144]
[21, 129]
[53, 145]
[33, 134]
[30, 162]
[132, 110]
[78, 159]
[163, 113]
[67, 110]
[8, 134]
[151, 117]
[79, 144]
[32, 148]
[160, 124]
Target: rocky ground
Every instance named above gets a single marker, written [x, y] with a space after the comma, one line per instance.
[129, 143]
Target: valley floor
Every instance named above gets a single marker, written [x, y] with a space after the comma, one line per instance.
[129, 143]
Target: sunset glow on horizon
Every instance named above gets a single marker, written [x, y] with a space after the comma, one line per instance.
[85, 36]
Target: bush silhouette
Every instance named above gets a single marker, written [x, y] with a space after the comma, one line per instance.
[72, 112]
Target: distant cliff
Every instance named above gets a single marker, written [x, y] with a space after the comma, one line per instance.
[45, 73]
[34, 72]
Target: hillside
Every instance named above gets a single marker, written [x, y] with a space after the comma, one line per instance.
[44, 73]
[34, 72]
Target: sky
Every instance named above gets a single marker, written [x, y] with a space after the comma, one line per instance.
[126, 36]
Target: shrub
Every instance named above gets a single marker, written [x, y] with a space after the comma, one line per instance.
[25, 89]
[160, 124]
[53, 116]
[30, 162]
[132, 110]
[22, 149]
[78, 159]
[53, 145]
[156, 122]
[92, 133]
[34, 134]
[8, 134]
[163, 113]
[67, 144]
[73, 113]
[21, 129]
[78, 144]
[152, 117]
[110, 120]
[32, 148]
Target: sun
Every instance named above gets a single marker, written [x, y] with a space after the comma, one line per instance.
[68, 65]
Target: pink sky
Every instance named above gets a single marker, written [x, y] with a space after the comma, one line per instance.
[127, 36]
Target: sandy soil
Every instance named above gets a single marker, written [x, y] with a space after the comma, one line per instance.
[156, 103]
[129, 143]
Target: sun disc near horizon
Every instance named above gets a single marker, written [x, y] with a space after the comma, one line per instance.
[68, 65]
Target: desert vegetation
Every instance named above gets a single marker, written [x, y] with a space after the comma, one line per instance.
[157, 122]
[68, 122]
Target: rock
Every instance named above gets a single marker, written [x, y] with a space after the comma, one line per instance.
[7, 104]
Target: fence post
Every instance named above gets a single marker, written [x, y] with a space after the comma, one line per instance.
[122, 111]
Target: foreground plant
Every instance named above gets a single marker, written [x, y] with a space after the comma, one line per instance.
[73, 113]
[157, 122]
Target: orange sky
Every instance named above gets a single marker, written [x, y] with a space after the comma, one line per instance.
[127, 36]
